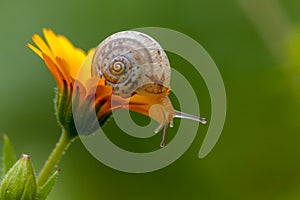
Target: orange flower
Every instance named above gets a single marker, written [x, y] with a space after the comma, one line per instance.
[64, 61]
[71, 69]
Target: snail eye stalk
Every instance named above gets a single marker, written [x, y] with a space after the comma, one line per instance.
[182, 115]
[177, 114]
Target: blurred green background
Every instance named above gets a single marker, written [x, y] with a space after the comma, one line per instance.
[257, 156]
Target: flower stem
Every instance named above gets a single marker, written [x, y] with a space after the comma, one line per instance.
[60, 148]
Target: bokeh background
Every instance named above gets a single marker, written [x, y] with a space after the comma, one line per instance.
[257, 156]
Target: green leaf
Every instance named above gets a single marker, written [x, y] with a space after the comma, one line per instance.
[8, 155]
[45, 190]
[19, 182]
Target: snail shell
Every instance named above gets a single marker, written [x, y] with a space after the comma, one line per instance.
[132, 62]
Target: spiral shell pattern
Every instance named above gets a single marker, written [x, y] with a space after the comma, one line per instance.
[132, 62]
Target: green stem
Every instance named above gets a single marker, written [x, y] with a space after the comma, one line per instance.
[48, 169]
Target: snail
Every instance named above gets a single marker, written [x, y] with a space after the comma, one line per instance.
[137, 67]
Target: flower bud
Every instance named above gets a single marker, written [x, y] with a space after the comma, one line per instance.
[19, 182]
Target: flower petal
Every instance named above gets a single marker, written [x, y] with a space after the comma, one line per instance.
[40, 43]
[55, 71]
[83, 73]
[35, 50]
[63, 48]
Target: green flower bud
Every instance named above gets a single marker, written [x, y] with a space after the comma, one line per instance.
[19, 182]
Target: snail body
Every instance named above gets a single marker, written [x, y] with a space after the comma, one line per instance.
[132, 62]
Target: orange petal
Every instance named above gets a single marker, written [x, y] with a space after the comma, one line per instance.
[63, 48]
[35, 50]
[84, 71]
[55, 71]
[63, 66]
[42, 45]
